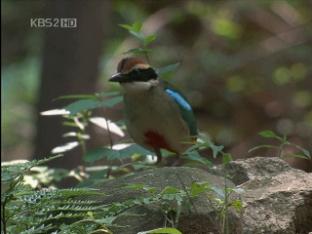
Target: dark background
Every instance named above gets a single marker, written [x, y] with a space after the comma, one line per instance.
[246, 66]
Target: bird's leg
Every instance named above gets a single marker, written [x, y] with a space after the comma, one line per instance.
[158, 154]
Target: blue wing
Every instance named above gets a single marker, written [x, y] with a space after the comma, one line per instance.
[184, 107]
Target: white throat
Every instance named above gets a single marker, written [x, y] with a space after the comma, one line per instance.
[139, 86]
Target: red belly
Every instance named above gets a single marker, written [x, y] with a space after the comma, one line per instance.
[156, 141]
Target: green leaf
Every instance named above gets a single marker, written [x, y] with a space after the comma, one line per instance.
[162, 230]
[218, 191]
[270, 134]
[263, 146]
[216, 149]
[76, 96]
[88, 104]
[226, 158]
[167, 69]
[137, 51]
[303, 150]
[198, 188]
[100, 153]
[149, 39]
[169, 190]
[138, 35]
[135, 149]
[195, 156]
[111, 102]
[113, 154]
[237, 205]
[107, 94]
[298, 156]
[135, 27]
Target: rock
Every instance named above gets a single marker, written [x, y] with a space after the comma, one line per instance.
[199, 216]
[277, 199]
[242, 170]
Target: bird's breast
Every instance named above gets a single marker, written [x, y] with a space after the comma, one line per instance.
[153, 120]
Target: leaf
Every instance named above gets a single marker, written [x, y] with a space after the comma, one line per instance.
[76, 96]
[149, 39]
[198, 188]
[263, 146]
[298, 156]
[270, 134]
[135, 27]
[303, 150]
[111, 102]
[218, 191]
[137, 51]
[226, 158]
[64, 148]
[105, 124]
[55, 112]
[237, 205]
[88, 104]
[162, 230]
[100, 153]
[135, 149]
[216, 149]
[107, 94]
[195, 156]
[127, 151]
[169, 190]
[167, 69]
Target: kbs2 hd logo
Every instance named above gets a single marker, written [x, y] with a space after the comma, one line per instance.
[53, 22]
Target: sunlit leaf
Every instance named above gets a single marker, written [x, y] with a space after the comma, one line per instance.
[66, 147]
[55, 112]
[105, 124]
[121, 146]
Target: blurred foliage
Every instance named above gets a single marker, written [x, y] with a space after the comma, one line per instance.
[32, 203]
[245, 65]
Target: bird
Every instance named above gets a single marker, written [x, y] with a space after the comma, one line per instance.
[157, 115]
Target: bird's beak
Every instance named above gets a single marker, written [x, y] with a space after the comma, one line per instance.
[118, 77]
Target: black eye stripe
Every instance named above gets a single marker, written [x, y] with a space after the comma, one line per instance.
[142, 75]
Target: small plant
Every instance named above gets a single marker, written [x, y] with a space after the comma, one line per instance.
[283, 144]
[28, 210]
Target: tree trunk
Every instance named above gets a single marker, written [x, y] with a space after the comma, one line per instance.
[70, 66]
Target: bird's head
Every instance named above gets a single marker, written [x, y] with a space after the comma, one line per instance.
[134, 74]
